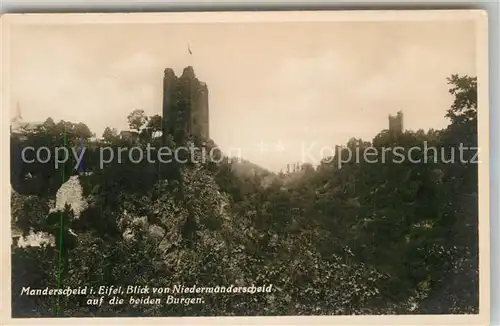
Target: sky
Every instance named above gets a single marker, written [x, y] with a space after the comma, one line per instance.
[279, 93]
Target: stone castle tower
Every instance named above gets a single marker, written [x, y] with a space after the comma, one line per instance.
[185, 105]
[396, 123]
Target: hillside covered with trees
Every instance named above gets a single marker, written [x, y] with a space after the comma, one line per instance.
[368, 238]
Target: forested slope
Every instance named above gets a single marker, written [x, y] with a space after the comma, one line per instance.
[366, 238]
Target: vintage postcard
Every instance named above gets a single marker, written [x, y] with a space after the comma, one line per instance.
[246, 167]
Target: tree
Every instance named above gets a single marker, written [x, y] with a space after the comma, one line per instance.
[308, 168]
[155, 123]
[464, 107]
[110, 135]
[463, 129]
[137, 119]
[30, 213]
[49, 124]
[153, 128]
[81, 130]
[457, 290]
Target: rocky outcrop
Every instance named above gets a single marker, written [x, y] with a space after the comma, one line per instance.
[36, 239]
[71, 193]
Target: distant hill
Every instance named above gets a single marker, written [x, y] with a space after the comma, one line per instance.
[244, 168]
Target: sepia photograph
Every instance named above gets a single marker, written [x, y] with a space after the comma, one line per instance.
[246, 165]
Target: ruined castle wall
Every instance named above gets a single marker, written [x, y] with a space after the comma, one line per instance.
[199, 114]
[185, 105]
[169, 103]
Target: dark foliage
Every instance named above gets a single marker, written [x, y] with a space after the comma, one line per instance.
[382, 238]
